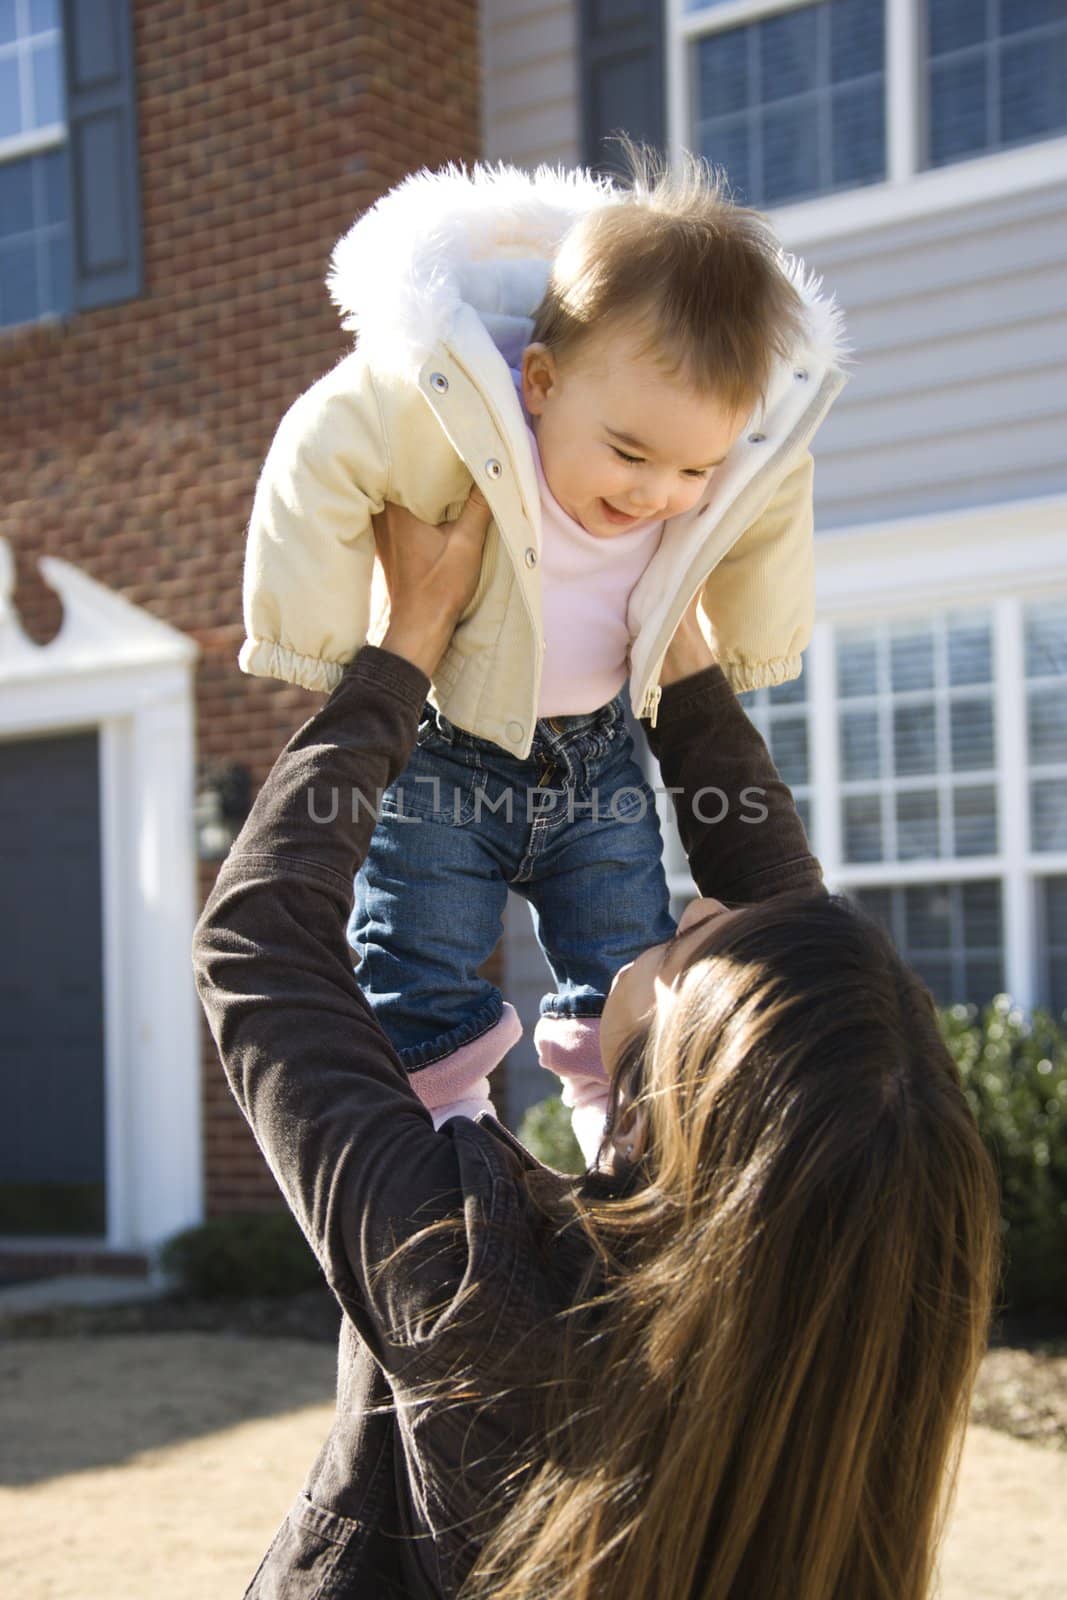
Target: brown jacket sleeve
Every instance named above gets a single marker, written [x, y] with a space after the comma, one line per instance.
[738, 823]
[352, 1147]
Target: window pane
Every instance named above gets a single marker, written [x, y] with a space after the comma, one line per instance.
[878, 903]
[863, 827]
[857, 665]
[1048, 814]
[1056, 910]
[1033, 88]
[1048, 724]
[793, 692]
[918, 837]
[1015, 15]
[928, 917]
[1058, 985]
[955, 23]
[1046, 640]
[47, 85]
[981, 915]
[7, 21]
[971, 724]
[44, 14]
[788, 53]
[958, 109]
[726, 144]
[859, 745]
[789, 748]
[936, 973]
[10, 98]
[858, 142]
[58, 292]
[18, 282]
[970, 649]
[790, 152]
[722, 72]
[56, 198]
[983, 979]
[16, 198]
[911, 659]
[857, 38]
[914, 740]
[975, 817]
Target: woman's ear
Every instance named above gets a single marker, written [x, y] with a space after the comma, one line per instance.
[629, 1132]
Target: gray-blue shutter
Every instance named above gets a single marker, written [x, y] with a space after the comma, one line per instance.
[102, 131]
[621, 75]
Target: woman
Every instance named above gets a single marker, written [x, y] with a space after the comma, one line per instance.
[734, 1359]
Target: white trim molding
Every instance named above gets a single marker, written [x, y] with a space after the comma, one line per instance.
[909, 190]
[941, 558]
[115, 668]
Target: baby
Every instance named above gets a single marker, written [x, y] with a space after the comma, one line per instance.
[632, 378]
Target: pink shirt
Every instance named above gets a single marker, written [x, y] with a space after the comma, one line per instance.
[585, 588]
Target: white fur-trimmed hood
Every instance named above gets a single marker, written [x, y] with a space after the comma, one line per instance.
[486, 238]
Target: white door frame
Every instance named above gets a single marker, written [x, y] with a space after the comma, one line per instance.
[115, 668]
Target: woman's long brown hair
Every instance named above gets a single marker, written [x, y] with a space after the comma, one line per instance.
[761, 1385]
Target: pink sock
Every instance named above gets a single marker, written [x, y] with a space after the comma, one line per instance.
[570, 1047]
[460, 1079]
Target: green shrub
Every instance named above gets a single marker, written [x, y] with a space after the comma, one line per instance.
[546, 1132]
[1014, 1070]
[264, 1254]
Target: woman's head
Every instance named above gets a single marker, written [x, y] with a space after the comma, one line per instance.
[802, 1259]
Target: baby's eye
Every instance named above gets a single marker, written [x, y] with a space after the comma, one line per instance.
[637, 461]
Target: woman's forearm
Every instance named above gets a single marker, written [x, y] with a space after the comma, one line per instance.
[738, 822]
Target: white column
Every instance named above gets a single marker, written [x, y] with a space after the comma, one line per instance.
[904, 100]
[162, 1100]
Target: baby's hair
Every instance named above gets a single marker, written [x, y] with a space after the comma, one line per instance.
[699, 278]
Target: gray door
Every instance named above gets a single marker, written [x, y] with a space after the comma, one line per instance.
[52, 1157]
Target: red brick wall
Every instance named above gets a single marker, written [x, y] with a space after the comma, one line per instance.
[132, 436]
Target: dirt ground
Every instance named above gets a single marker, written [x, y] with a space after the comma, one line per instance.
[157, 1466]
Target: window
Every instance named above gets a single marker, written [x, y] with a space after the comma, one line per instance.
[915, 726]
[70, 211]
[927, 753]
[34, 203]
[996, 74]
[838, 107]
[782, 715]
[793, 105]
[951, 933]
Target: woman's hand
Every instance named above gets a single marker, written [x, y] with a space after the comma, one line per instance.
[431, 574]
[688, 651]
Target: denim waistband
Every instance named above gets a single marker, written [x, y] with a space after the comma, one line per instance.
[547, 730]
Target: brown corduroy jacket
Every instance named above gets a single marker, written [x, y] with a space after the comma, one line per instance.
[403, 1491]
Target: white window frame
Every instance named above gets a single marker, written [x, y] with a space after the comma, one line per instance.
[908, 190]
[998, 557]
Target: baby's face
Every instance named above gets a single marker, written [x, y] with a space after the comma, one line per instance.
[621, 443]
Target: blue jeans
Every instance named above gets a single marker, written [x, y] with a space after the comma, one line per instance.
[573, 828]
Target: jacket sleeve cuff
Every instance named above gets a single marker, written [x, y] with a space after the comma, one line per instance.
[266, 658]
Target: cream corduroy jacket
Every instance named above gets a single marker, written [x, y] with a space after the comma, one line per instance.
[439, 279]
